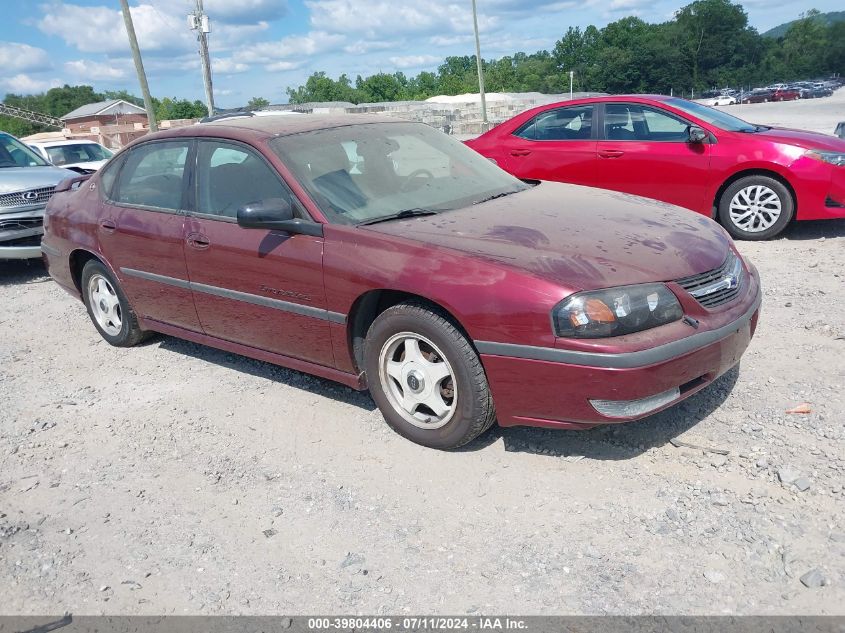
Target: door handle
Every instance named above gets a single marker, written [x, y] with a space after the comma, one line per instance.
[198, 241]
[520, 152]
[611, 153]
[108, 225]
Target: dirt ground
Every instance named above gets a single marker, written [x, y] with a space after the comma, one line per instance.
[174, 478]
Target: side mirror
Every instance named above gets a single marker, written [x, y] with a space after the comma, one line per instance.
[697, 134]
[276, 214]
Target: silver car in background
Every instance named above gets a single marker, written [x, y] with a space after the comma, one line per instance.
[26, 183]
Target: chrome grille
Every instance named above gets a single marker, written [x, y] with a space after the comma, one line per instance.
[19, 224]
[19, 198]
[718, 286]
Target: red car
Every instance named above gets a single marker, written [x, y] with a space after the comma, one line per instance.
[786, 94]
[386, 255]
[754, 179]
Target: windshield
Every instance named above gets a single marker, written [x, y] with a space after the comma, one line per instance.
[77, 153]
[712, 116]
[361, 173]
[13, 153]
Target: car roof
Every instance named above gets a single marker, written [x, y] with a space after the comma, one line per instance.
[67, 142]
[283, 126]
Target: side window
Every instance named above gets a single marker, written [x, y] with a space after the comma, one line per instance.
[574, 123]
[153, 174]
[108, 175]
[633, 122]
[230, 176]
[662, 126]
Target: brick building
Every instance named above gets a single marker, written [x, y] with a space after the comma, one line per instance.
[113, 123]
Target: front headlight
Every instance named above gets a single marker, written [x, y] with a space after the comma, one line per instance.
[834, 158]
[615, 311]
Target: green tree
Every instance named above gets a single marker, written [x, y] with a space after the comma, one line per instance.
[256, 103]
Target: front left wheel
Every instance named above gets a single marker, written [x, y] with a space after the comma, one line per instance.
[108, 306]
[426, 377]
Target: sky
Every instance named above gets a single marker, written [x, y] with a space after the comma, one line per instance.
[260, 47]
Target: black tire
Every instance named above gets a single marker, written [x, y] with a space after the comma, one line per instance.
[787, 204]
[129, 333]
[473, 412]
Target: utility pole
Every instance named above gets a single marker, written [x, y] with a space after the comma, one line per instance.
[480, 70]
[198, 21]
[139, 66]
[571, 79]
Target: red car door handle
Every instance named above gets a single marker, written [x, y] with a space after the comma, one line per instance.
[197, 241]
[611, 153]
[108, 226]
[520, 152]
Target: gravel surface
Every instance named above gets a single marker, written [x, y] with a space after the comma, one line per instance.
[174, 478]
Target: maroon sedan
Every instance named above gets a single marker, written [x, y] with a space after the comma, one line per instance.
[755, 179]
[385, 255]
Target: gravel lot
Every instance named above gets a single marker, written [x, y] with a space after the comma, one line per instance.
[173, 478]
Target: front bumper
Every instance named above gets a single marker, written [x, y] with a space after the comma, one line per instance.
[535, 390]
[20, 234]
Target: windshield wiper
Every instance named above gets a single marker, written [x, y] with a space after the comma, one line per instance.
[497, 195]
[399, 215]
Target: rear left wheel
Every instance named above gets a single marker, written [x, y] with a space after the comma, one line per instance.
[108, 307]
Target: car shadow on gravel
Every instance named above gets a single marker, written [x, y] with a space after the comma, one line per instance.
[18, 272]
[615, 441]
[292, 378]
[814, 229]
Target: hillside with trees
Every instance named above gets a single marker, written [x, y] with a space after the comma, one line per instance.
[708, 44]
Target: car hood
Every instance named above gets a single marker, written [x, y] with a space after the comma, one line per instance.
[23, 178]
[801, 138]
[578, 237]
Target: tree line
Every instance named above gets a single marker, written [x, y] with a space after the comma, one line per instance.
[708, 44]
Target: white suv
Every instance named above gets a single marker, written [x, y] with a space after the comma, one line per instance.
[82, 156]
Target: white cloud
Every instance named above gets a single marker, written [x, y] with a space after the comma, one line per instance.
[100, 29]
[24, 84]
[296, 46]
[245, 11]
[362, 47]
[15, 57]
[228, 66]
[91, 71]
[375, 17]
[276, 67]
[414, 61]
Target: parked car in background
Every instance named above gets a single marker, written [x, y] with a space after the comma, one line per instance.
[458, 294]
[817, 93]
[786, 94]
[758, 95]
[84, 157]
[721, 100]
[26, 183]
[755, 179]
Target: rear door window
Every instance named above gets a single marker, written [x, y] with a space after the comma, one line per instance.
[153, 176]
[572, 123]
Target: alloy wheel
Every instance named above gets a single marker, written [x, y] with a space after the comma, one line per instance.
[418, 380]
[105, 304]
[755, 208]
